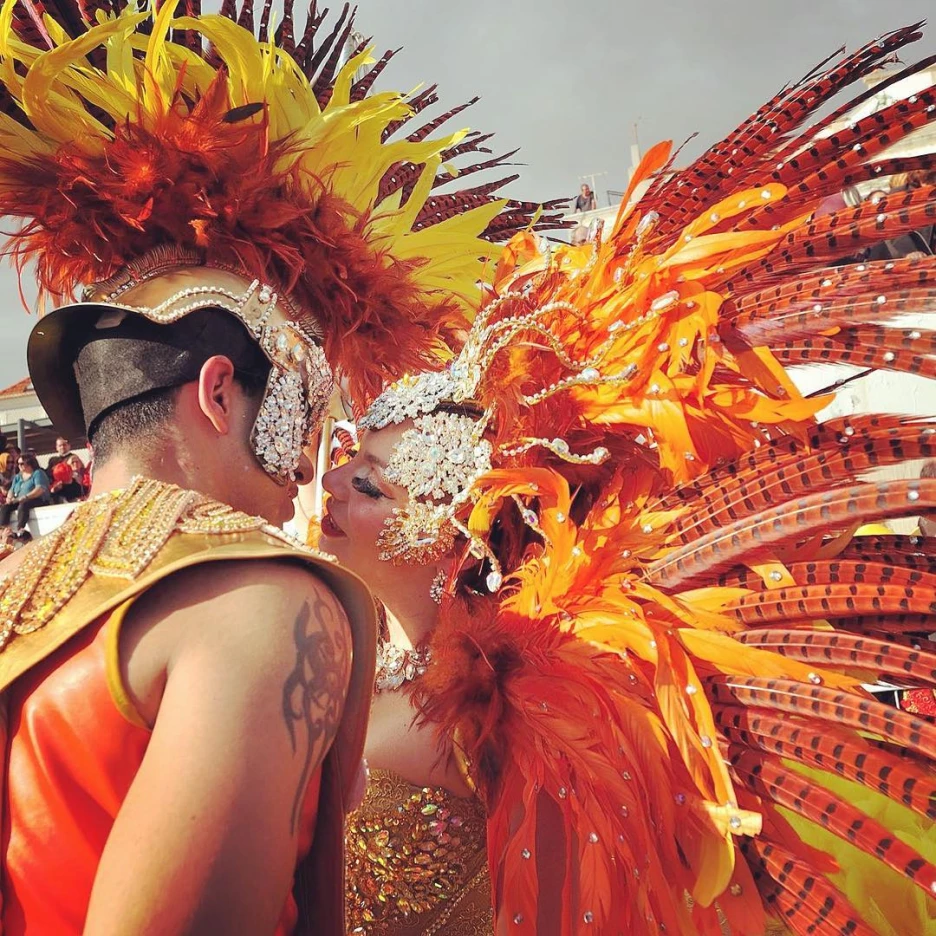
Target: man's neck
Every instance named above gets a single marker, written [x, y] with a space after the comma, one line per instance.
[119, 471]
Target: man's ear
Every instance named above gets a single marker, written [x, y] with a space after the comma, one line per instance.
[216, 392]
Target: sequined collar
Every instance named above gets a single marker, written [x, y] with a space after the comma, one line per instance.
[397, 665]
[114, 535]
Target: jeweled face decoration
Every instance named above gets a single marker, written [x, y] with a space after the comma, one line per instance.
[438, 462]
[294, 404]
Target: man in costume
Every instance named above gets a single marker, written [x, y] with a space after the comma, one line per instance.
[186, 692]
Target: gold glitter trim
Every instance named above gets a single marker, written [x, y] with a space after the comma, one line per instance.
[482, 923]
[115, 684]
[116, 535]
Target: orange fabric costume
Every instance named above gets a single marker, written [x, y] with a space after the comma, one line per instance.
[73, 754]
[74, 741]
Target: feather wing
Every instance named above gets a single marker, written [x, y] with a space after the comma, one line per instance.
[675, 663]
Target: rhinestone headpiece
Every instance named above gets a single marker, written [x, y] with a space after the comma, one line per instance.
[443, 457]
[300, 382]
[420, 394]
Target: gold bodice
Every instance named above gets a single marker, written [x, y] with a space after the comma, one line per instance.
[416, 863]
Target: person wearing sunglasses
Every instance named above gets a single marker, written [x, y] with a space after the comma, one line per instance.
[30, 488]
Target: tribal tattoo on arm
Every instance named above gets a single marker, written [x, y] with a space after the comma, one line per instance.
[313, 694]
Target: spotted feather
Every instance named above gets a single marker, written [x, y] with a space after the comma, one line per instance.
[818, 744]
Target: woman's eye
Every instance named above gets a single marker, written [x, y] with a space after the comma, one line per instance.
[366, 487]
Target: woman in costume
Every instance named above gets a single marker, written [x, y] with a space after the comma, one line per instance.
[655, 621]
[416, 857]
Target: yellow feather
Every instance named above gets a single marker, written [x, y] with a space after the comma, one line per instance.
[240, 52]
[421, 191]
[198, 74]
[50, 111]
[159, 75]
[341, 93]
[89, 84]
[6, 28]
[120, 64]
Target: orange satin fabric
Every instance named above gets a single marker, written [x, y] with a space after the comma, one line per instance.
[70, 761]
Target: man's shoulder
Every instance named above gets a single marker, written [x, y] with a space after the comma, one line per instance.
[252, 605]
[265, 562]
[291, 569]
[287, 574]
[210, 570]
[232, 592]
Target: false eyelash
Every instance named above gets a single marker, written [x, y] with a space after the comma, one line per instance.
[367, 488]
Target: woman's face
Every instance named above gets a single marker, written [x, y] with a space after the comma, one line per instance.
[75, 463]
[24, 465]
[361, 501]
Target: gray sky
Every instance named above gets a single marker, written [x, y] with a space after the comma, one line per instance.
[568, 81]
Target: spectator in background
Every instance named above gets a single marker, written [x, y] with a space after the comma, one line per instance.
[14, 453]
[586, 200]
[62, 451]
[838, 201]
[81, 474]
[64, 489]
[913, 244]
[30, 488]
[7, 466]
[579, 235]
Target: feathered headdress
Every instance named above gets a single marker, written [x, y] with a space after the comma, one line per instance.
[147, 131]
[664, 653]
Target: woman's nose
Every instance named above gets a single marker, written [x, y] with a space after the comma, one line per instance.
[336, 481]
